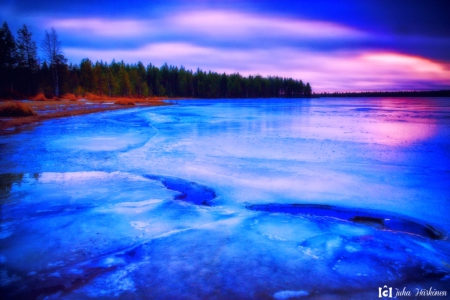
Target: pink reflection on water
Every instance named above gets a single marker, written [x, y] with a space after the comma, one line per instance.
[401, 134]
[402, 122]
[397, 122]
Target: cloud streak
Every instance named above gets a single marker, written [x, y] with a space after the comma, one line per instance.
[210, 25]
[103, 27]
[236, 24]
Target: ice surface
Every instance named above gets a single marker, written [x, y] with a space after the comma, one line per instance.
[378, 219]
[160, 203]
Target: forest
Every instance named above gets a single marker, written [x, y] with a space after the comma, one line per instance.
[23, 74]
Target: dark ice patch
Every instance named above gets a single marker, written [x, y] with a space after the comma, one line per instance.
[7, 180]
[376, 219]
[189, 191]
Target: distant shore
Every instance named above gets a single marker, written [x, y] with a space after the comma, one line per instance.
[53, 109]
[440, 93]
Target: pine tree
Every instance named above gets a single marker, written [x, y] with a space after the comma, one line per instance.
[308, 90]
[45, 83]
[87, 79]
[27, 61]
[125, 84]
[8, 57]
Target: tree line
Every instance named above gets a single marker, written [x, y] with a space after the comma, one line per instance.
[24, 74]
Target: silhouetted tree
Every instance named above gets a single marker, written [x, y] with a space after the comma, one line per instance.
[51, 46]
[7, 61]
[308, 90]
[27, 61]
[45, 76]
[124, 81]
[87, 78]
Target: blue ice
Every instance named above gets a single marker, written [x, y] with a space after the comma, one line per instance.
[177, 202]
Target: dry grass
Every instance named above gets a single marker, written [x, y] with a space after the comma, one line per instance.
[39, 97]
[125, 102]
[16, 109]
[70, 97]
[93, 97]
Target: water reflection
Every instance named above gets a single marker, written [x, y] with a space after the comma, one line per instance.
[393, 122]
[402, 122]
[401, 134]
[253, 117]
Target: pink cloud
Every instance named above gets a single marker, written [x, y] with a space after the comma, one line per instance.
[238, 24]
[157, 53]
[418, 64]
[367, 70]
[215, 24]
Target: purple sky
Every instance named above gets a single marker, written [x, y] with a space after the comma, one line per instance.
[335, 45]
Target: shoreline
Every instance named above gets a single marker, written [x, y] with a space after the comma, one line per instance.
[54, 109]
[51, 109]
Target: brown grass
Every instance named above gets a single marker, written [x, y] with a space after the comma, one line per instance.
[39, 97]
[125, 102]
[70, 97]
[16, 109]
[93, 97]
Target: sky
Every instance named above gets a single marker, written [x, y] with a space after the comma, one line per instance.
[354, 45]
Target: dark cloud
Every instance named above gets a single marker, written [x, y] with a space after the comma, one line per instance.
[401, 17]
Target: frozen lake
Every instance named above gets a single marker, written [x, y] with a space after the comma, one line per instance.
[229, 199]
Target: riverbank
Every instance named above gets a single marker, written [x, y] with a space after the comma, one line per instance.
[51, 109]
